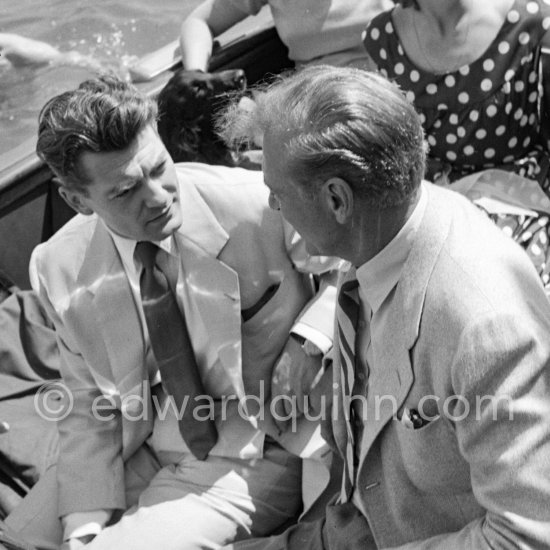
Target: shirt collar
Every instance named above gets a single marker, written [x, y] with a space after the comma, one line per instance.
[380, 275]
[126, 248]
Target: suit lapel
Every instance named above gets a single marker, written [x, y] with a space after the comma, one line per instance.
[115, 312]
[394, 377]
[212, 284]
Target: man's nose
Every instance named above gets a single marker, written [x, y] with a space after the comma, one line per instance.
[156, 194]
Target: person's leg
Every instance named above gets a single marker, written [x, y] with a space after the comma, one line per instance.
[206, 504]
[342, 528]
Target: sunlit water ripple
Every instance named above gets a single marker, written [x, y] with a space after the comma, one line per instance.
[114, 33]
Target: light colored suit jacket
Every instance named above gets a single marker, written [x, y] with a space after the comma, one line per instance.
[233, 248]
[469, 332]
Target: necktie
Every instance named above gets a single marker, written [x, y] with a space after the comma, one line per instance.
[173, 352]
[347, 316]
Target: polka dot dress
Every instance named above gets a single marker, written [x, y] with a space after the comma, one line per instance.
[485, 114]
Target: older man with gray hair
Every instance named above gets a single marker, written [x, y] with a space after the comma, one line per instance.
[441, 354]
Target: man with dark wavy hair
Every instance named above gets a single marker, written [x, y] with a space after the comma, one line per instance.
[177, 281]
[441, 353]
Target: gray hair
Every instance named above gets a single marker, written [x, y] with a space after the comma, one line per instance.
[340, 122]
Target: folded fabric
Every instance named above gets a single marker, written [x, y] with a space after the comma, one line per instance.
[9, 540]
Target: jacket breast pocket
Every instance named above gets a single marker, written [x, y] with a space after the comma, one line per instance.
[250, 312]
[280, 303]
[431, 457]
[265, 334]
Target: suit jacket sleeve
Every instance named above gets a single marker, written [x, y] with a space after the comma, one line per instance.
[502, 363]
[90, 467]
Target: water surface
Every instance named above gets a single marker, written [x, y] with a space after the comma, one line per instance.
[115, 32]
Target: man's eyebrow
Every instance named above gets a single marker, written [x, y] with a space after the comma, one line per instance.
[125, 183]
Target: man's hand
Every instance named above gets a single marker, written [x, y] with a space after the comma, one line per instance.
[298, 385]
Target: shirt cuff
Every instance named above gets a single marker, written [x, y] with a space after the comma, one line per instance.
[322, 341]
[80, 524]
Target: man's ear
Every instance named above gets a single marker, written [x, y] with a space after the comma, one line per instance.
[338, 197]
[74, 199]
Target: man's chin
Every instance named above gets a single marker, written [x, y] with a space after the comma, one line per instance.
[168, 229]
[165, 226]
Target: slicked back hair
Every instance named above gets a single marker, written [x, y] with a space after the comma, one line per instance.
[102, 115]
[341, 122]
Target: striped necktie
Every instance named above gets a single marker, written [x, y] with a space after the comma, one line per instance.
[347, 316]
[172, 350]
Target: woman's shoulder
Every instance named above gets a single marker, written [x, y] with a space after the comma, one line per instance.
[381, 39]
[380, 25]
[512, 49]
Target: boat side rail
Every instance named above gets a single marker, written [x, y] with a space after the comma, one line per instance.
[21, 171]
